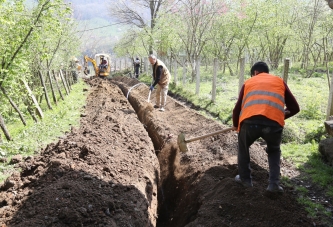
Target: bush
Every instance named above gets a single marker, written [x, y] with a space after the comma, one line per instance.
[291, 133]
[312, 108]
[315, 135]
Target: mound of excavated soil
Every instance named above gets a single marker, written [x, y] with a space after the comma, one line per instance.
[104, 173]
[122, 167]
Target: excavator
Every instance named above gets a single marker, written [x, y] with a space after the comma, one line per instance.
[101, 63]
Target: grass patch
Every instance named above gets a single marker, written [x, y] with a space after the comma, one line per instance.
[29, 139]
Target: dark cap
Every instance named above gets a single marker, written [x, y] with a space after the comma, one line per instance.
[260, 67]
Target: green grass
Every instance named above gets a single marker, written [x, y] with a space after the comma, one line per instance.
[29, 139]
[313, 209]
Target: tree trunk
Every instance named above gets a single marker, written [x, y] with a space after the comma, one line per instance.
[67, 78]
[59, 90]
[64, 82]
[14, 105]
[51, 84]
[31, 112]
[4, 129]
[45, 90]
[38, 109]
[27, 102]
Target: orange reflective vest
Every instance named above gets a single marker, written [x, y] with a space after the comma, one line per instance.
[263, 95]
[165, 77]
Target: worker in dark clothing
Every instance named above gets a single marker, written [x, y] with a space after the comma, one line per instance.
[161, 77]
[136, 67]
[260, 112]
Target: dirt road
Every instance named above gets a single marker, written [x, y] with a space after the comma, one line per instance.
[122, 167]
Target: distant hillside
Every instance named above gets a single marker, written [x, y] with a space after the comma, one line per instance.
[97, 30]
[89, 9]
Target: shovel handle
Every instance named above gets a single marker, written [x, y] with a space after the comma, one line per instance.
[149, 96]
[211, 134]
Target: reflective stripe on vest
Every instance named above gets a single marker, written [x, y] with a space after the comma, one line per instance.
[263, 101]
[263, 95]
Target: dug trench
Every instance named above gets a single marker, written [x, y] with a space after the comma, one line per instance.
[122, 167]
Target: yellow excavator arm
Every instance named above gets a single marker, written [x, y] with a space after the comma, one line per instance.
[88, 59]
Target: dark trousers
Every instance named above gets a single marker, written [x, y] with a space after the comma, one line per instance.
[249, 132]
[137, 71]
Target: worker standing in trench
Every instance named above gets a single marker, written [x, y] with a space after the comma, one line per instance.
[260, 112]
[161, 77]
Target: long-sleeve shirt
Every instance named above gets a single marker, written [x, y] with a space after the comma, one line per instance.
[290, 102]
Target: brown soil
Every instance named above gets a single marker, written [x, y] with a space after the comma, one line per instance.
[122, 167]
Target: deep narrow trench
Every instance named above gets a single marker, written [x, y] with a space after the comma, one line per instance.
[170, 188]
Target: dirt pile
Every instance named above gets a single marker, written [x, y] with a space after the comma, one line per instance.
[122, 167]
[102, 174]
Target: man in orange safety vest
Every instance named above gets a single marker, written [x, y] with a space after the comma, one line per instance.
[260, 112]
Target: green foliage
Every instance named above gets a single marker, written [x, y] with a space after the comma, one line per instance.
[320, 172]
[312, 109]
[316, 135]
[312, 208]
[291, 133]
[302, 190]
[286, 181]
[37, 35]
[330, 191]
[27, 140]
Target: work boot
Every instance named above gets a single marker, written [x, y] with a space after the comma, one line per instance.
[162, 109]
[156, 106]
[247, 184]
[275, 188]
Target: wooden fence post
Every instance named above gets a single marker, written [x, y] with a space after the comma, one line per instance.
[13, 105]
[51, 84]
[45, 90]
[175, 72]
[145, 64]
[63, 82]
[184, 71]
[241, 74]
[330, 101]
[214, 80]
[58, 87]
[197, 71]
[286, 70]
[38, 109]
[70, 78]
[67, 78]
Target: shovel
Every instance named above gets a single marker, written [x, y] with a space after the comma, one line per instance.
[182, 142]
[149, 96]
